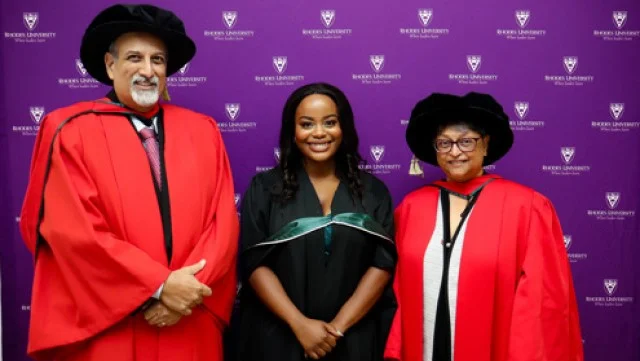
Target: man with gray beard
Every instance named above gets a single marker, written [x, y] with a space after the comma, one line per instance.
[129, 210]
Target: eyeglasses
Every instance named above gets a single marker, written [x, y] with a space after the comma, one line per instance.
[464, 144]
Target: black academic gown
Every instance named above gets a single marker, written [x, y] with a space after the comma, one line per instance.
[317, 283]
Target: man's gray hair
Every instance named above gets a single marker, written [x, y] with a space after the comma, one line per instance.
[113, 50]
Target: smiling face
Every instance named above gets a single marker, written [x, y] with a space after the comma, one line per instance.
[317, 129]
[138, 69]
[464, 159]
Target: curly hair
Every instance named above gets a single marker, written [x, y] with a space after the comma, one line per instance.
[347, 157]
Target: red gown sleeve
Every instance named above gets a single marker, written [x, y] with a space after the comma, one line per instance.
[219, 243]
[545, 324]
[86, 278]
[393, 350]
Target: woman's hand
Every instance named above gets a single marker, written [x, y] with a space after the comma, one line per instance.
[317, 338]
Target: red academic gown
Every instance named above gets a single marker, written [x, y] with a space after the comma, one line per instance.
[516, 299]
[102, 254]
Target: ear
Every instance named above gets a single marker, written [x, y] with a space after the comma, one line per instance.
[109, 63]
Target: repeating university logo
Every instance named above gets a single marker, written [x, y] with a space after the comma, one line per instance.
[473, 63]
[276, 158]
[377, 62]
[424, 29]
[229, 18]
[567, 168]
[279, 64]
[610, 296]
[573, 257]
[30, 21]
[616, 123]
[328, 17]
[232, 113]
[377, 165]
[228, 32]
[474, 76]
[327, 32]
[378, 76]
[83, 81]
[180, 78]
[570, 65]
[522, 122]
[611, 212]
[617, 32]
[36, 114]
[232, 110]
[521, 31]
[522, 17]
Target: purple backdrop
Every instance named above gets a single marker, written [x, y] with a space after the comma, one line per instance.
[567, 75]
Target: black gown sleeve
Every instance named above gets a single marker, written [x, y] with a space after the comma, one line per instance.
[385, 254]
[254, 226]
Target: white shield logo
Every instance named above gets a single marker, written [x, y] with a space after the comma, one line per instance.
[567, 154]
[232, 110]
[276, 154]
[613, 198]
[328, 17]
[619, 18]
[570, 63]
[616, 110]
[280, 63]
[522, 18]
[567, 241]
[36, 114]
[377, 62]
[425, 16]
[236, 199]
[377, 152]
[473, 62]
[229, 18]
[80, 68]
[184, 69]
[610, 286]
[30, 20]
[521, 108]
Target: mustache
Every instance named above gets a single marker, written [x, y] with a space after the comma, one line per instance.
[154, 80]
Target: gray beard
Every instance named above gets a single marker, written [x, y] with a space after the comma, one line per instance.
[145, 98]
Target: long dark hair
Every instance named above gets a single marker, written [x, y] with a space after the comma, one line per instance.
[347, 157]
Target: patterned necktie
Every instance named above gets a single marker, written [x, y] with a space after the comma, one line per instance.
[153, 152]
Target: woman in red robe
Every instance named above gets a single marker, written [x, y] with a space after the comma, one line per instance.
[483, 273]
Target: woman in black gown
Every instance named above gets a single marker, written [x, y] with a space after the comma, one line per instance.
[317, 249]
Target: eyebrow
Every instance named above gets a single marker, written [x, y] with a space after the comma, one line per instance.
[306, 117]
[461, 135]
[136, 52]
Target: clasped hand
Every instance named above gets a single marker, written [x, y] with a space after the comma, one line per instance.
[180, 294]
[317, 338]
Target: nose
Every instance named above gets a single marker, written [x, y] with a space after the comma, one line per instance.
[319, 131]
[146, 69]
[455, 150]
